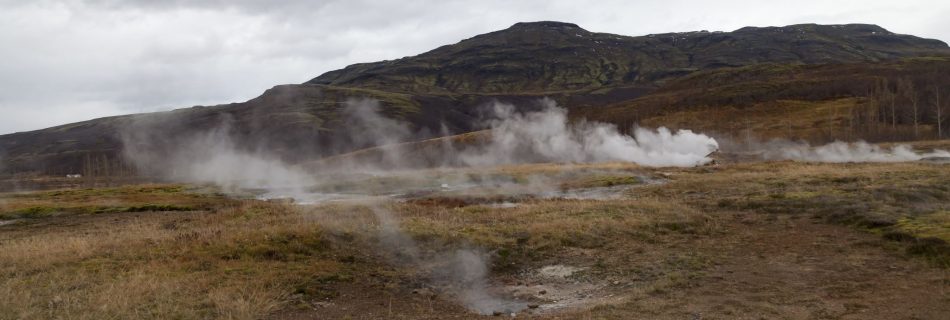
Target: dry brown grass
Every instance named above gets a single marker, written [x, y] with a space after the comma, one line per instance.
[135, 198]
[238, 262]
[244, 260]
[248, 259]
[552, 224]
[809, 120]
[889, 199]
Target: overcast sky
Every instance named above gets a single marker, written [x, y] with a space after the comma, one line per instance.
[68, 61]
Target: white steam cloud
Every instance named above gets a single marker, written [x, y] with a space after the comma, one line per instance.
[548, 136]
[542, 136]
[838, 152]
[209, 157]
[214, 158]
[368, 127]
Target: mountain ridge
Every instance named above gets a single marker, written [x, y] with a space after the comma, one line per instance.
[443, 91]
[587, 60]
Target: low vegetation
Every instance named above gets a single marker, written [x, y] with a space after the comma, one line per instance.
[869, 237]
[139, 198]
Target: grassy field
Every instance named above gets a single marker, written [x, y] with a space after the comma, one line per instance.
[749, 240]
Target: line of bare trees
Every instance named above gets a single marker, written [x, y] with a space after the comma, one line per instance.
[899, 108]
[103, 165]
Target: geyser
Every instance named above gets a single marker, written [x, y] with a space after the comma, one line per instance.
[549, 136]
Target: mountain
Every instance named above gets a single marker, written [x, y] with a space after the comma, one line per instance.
[553, 56]
[603, 76]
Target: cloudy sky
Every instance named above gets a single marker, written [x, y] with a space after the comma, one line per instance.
[67, 61]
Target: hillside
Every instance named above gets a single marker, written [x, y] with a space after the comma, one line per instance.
[869, 101]
[554, 56]
[614, 78]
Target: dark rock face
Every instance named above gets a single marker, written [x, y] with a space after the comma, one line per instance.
[554, 56]
[446, 87]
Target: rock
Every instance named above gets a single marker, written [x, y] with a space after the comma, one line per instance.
[533, 306]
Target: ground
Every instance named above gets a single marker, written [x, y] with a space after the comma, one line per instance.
[759, 240]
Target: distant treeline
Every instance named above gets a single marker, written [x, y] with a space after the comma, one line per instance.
[897, 101]
[897, 107]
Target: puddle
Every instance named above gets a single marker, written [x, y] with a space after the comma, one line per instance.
[6, 222]
[598, 193]
[460, 192]
[318, 198]
[502, 205]
[495, 192]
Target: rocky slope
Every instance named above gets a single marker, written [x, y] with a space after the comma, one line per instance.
[555, 56]
[444, 90]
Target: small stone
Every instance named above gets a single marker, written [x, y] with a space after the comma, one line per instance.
[533, 306]
[542, 292]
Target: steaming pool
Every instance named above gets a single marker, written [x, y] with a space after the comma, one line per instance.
[495, 192]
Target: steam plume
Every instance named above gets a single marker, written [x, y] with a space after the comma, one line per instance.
[463, 272]
[368, 127]
[206, 157]
[548, 136]
[839, 151]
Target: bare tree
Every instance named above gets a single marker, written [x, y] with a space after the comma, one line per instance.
[937, 106]
[888, 104]
[906, 89]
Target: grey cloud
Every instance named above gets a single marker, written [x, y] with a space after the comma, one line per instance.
[66, 61]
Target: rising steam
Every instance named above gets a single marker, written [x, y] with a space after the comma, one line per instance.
[207, 157]
[548, 136]
[213, 156]
[368, 128]
[530, 137]
[463, 273]
[838, 152]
